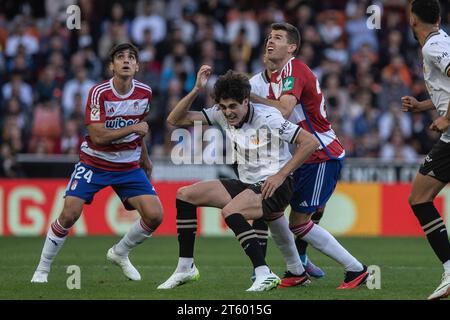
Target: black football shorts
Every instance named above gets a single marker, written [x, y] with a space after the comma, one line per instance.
[437, 163]
[278, 202]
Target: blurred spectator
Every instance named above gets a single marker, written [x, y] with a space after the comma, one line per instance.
[79, 85]
[47, 87]
[71, 139]
[242, 20]
[148, 20]
[8, 165]
[21, 37]
[44, 138]
[19, 89]
[329, 29]
[397, 66]
[397, 149]
[358, 33]
[394, 119]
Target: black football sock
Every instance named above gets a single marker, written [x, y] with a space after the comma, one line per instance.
[247, 237]
[434, 228]
[186, 228]
[262, 231]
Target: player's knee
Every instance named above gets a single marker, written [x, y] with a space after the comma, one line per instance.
[185, 194]
[153, 217]
[296, 219]
[68, 217]
[414, 199]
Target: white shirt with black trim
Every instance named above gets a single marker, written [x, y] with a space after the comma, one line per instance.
[436, 63]
[260, 145]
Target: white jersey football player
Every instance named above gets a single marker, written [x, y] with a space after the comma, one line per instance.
[434, 173]
[264, 187]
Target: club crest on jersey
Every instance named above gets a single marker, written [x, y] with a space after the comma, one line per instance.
[95, 112]
[288, 84]
[254, 140]
[136, 106]
[74, 185]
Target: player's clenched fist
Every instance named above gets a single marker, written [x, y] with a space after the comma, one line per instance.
[202, 76]
[410, 104]
[141, 128]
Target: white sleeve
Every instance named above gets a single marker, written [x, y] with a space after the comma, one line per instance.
[287, 130]
[438, 53]
[213, 115]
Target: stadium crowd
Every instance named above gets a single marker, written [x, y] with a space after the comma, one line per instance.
[46, 70]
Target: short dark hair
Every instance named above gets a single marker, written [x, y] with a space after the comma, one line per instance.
[121, 47]
[428, 11]
[293, 35]
[232, 85]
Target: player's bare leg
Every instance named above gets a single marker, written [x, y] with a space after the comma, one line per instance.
[56, 236]
[424, 191]
[205, 193]
[150, 209]
[302, 226]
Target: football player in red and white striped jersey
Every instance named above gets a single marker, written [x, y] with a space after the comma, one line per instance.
[113, 154]
[295, 89]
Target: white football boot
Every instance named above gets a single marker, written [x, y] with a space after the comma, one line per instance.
[443, 290]
[265, 282]
[179, 278]
[124, 263]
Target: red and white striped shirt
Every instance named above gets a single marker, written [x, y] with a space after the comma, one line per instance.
[310, 113]
[106, 105]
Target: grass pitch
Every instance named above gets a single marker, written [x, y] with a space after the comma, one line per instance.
[409, 270]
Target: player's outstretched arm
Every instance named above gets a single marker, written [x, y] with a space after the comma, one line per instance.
[285, 105]
[180, 114]
[307, 144]
[102, 136]
[410, 104]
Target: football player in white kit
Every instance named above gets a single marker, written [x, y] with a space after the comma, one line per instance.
[264, 187]
[434, 173]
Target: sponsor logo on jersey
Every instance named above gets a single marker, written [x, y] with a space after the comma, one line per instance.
[136, 106]
[442, 56]
[111, 110]
[119, 122]
[95, 112]
[283, 127]
[288, 83]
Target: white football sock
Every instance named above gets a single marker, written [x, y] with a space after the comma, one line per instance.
[52, 245]
[322, 240]
[262, 271]
[184, 264]
[137, 234]
[285, 241]
[447, 267]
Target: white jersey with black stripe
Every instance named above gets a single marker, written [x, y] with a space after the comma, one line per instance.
[260, 144]
[436, 63]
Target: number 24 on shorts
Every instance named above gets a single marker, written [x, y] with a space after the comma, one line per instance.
[81, 172]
